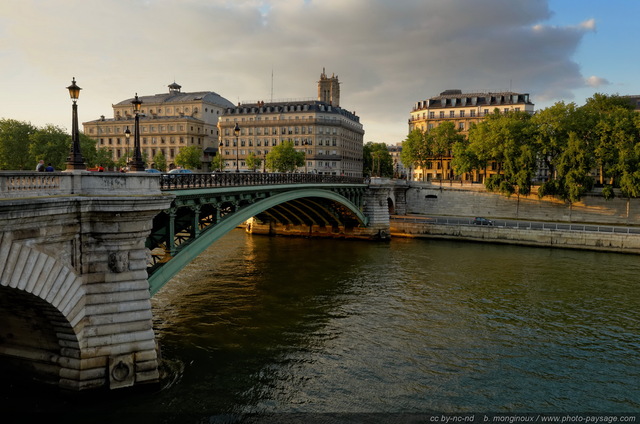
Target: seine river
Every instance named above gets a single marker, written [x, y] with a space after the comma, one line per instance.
[267, 326]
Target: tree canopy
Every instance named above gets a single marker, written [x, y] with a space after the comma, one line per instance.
[377, 161]
[284, 158]
[189, 157]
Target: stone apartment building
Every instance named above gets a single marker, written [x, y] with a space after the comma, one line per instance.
[331, 137]
[464, 110]
[168, 122]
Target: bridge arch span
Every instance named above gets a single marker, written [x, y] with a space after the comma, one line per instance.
[42, 317]
[248, 210]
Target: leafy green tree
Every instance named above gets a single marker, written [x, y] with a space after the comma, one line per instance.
[51, 144]
[553, 126]
[93, 155]
[217, 163]
[574, 178]
[189, 157]
[14, 145]
[507, 139]
[444, 137]
[253, 161]
[377, 160]
[160, 161]
[416, 149]
[284, 158]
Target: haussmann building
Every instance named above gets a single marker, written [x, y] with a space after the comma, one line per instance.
[331, 137]
[168, 122]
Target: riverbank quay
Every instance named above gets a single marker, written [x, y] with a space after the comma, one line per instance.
[560, 235]
[449, 198]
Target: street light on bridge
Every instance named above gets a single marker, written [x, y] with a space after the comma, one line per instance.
[236, 132]
[127, 135]
[222, 162]
[75, 161]
[137, 164]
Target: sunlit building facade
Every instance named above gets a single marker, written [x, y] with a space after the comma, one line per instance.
[168, 123]
[331, 137]
[464, 110]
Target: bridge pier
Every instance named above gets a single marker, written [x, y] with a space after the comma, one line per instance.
[75, 307]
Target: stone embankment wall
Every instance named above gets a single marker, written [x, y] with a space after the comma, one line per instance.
[624, 243]
[473, 200]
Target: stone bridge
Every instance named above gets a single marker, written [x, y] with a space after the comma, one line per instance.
[81, 254]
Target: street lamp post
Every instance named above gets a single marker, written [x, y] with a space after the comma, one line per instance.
[75, 161]
[264, 162]
[236, 132]
[137, 164]
[305, 144]
[221, 157]
[127, 135]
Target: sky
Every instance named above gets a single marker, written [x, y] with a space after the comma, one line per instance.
[387, 54]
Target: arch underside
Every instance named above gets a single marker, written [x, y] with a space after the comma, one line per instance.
[195, 222]
[40, 320]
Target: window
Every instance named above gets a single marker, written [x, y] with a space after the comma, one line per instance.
[461, 126]
[432, 115]
[452, 114]
[472, 113]
[441, 114]
[462, 113]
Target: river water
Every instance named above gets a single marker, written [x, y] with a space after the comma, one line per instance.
[261, 325]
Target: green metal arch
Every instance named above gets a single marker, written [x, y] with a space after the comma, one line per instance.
[161, 276]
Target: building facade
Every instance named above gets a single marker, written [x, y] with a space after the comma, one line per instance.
[464, 110]
[168, 123]
[330, 136]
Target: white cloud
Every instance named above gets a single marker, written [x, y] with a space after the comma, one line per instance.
[387, 54]
[594, 81]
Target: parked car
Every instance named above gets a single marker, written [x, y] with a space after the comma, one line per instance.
[181, 171]
[152, 171]
[482, 221]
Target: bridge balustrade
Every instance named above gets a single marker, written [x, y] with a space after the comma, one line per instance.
[234, 179]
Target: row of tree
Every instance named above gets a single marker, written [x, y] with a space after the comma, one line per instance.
[575, 144]
[22, 145]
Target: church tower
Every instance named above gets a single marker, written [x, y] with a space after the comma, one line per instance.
[329, 89]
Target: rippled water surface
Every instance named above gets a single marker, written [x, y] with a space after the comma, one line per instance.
[261, 325]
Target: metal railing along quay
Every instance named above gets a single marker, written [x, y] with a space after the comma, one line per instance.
[233, 179]
[524, 225]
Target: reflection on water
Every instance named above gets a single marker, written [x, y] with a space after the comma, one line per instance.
[264, 325]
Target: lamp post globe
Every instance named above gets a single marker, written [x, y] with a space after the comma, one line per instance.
[75, 161]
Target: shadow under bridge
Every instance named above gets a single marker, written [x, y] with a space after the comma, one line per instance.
[200, 216]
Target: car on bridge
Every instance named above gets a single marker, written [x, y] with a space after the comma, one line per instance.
[478, 220]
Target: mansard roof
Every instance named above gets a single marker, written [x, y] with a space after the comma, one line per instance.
[456, 98]
[175, 97]
[290, 106]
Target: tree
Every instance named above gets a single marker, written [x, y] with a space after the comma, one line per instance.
[189, 157]
[218, 163]
[253, 161]
[416, 149]
[574, 168]
[14, 145]
[159, 161]
[553, 126]
[51, 144]
[284, 158]
[377, 160]
[444, 137]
